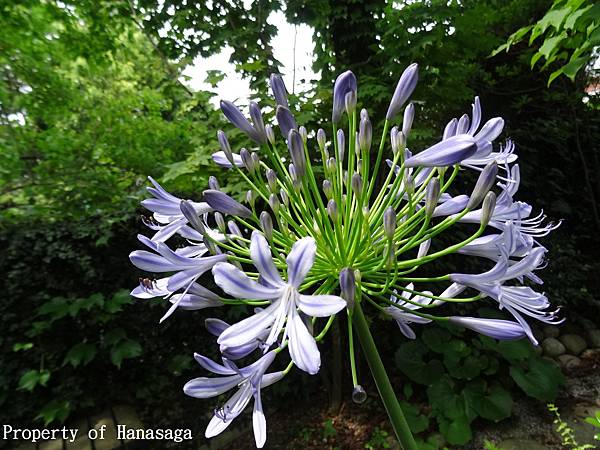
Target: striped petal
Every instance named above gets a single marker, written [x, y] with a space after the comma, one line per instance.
[236, 283]
[300, 260]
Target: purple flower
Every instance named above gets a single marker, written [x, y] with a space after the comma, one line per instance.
[238, 120]
[167, 213]
[344, 84]
[249, 381]
[445, 153]
[279, 90]
[404, 318]
[286, 120]
[223, 203]
[405, 87]
[285, 300]
[494, 328]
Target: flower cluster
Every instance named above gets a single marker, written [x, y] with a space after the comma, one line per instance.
[308, 246]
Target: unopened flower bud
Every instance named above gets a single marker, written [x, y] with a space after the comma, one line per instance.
[357, 184]
[247, 160]
[359, 165]
[331, 165]
[394, 140]
[364, 114]
[350, 102]
[284, 197]
[486, 180]
[344, 83]
[234, 229]
[257, 121]
[332, 209]
[487, 209]
[294, 176]
[255, 160]
[321, 138]
[409, 183]
[271, 179]
[404, 89]
[389, 222]
[359, 395]
[220, 220]
[365, 134]
[274, 203]
[327, 188]
[296, 148]
[266, 224]
[303, 133]
[365, 212]
[348, 286]
[341, 142]
[213, 183]
[190, 213]
[432, 196]
[409, 116]
[224, 144]
[250, 198]
[270, 134]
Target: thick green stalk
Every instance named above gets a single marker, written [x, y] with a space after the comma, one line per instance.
[386, 392]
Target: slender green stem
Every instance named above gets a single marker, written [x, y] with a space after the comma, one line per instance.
[386, 392]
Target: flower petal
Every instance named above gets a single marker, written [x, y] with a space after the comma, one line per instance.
[302, 346]
[221, 160]
[248, 329]
[260, 252]
[236, 283]
[259, 423]
[231, 409]
[212, 366]
[320, 305]
[204, 387]
[300, 260]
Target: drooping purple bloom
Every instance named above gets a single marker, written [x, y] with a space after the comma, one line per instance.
[249, 381]
[285, 301]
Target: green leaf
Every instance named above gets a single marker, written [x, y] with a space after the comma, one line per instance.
[416, 421]
[55, 410]
[80, 354]
[458, 431]
[124, 349]
[515, 350]
[435, 338]
[115, 335]
[17, 347]
[410, 360]
[117, 301]
[30, 379]
[494, 403]
[541, 380]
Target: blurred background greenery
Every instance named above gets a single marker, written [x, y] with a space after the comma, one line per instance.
[93, 100]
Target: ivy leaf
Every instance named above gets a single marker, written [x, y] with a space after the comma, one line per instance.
[80, 354]
[55, 410]
[457, 431]
[124, 349]
[30, 379]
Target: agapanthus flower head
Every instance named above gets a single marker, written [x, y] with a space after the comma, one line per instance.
[310, 245]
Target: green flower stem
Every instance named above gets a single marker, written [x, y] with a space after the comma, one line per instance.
[386, 125]
[386, 392]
